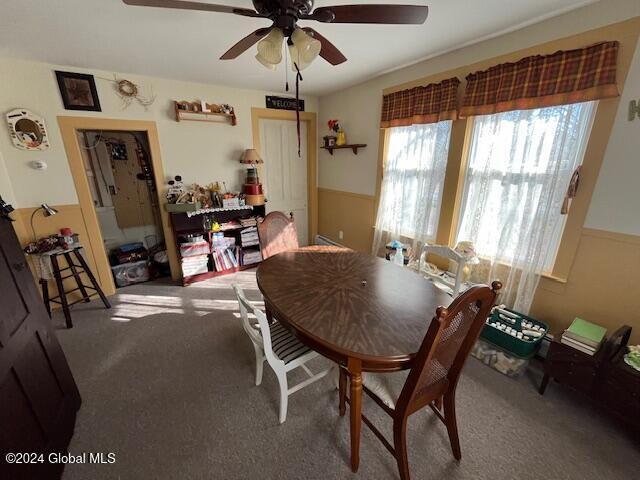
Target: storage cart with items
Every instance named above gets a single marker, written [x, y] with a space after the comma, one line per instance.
[509, 340]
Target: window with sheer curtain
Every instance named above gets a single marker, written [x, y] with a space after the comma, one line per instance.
[412, 182]
[519, 167]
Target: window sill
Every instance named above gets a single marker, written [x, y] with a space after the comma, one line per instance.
[550, 276]
[546, 275]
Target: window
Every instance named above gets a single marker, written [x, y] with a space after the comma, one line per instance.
[412, 182]
[519, 168]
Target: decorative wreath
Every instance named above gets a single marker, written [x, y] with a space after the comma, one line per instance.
[127, 88]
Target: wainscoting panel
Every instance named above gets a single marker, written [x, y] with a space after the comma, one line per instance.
[351, 213]
[603, 285]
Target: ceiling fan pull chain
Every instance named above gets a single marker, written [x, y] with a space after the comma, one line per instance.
[298, 80]
[286, 72]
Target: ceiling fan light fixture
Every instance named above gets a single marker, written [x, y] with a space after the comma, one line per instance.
[303, 49]
[270, 49]
[270, 66]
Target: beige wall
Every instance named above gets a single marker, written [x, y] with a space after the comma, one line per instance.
[603, 285]
[198, 151]
[345, 206]
[616, 199]
[6, 190]
[596, 256]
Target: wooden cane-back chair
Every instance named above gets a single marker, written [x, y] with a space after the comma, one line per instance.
[434, 374]
[277, 234]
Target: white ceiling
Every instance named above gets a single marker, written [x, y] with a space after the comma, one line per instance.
[185, 45]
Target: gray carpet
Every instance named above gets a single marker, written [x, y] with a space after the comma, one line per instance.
[167, 382]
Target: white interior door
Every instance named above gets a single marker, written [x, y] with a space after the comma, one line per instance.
[285, 174]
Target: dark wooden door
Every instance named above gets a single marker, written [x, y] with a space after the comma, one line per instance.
[38, 396]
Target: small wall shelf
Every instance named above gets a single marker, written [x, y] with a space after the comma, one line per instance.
[354, 147]
[192, 111]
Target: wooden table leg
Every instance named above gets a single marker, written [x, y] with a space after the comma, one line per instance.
[342, 391]
[355, 411]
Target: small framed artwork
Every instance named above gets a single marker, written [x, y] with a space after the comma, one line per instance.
[78, 91]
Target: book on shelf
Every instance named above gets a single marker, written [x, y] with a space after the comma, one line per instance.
[249, 222]
[583, 347]
[585, 332]
[224, 258]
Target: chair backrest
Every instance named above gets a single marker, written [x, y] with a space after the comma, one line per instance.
[260, 336]
[277, 234]
[449, 253]
[447, 344]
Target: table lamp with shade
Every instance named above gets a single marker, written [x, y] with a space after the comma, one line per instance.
[252, 187]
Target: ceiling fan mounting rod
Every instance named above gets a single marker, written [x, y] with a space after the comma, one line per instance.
[286, 23]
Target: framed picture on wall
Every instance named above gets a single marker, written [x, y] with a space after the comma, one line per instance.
[78, 91]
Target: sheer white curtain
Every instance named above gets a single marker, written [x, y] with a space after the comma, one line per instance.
[520, 165]
[412, 182]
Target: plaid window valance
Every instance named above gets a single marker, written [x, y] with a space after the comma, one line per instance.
[538, 81]
[429, 104]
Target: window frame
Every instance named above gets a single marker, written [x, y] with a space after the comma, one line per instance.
[385, 142]
[575, 220]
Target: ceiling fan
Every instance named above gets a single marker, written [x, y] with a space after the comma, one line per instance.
[305, 44]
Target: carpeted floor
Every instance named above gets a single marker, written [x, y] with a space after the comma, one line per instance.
[167, 382]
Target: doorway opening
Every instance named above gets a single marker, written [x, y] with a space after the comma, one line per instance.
[119, 170]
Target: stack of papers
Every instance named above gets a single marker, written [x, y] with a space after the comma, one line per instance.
[230, 225]
[251, 256]
[248, 222]
[249, 237]
[195, 265]
[584, 336]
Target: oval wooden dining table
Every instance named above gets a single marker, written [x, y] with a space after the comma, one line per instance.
[362, 312]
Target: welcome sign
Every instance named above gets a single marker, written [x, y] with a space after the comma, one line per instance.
[283, 103]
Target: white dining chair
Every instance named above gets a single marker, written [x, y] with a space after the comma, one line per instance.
[275, 344]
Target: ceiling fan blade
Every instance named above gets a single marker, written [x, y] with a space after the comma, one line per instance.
[244, 44]
[187, 5]
[389, 14]
[328, 51]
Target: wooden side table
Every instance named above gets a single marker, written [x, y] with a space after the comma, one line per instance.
[619, 391]
[609, 382]
[76, 270]
[570, 367]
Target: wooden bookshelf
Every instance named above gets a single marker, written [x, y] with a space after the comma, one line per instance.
[190, 223]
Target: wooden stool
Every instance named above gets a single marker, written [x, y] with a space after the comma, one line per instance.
[76, 271]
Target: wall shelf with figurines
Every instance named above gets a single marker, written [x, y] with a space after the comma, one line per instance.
[205, 112]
